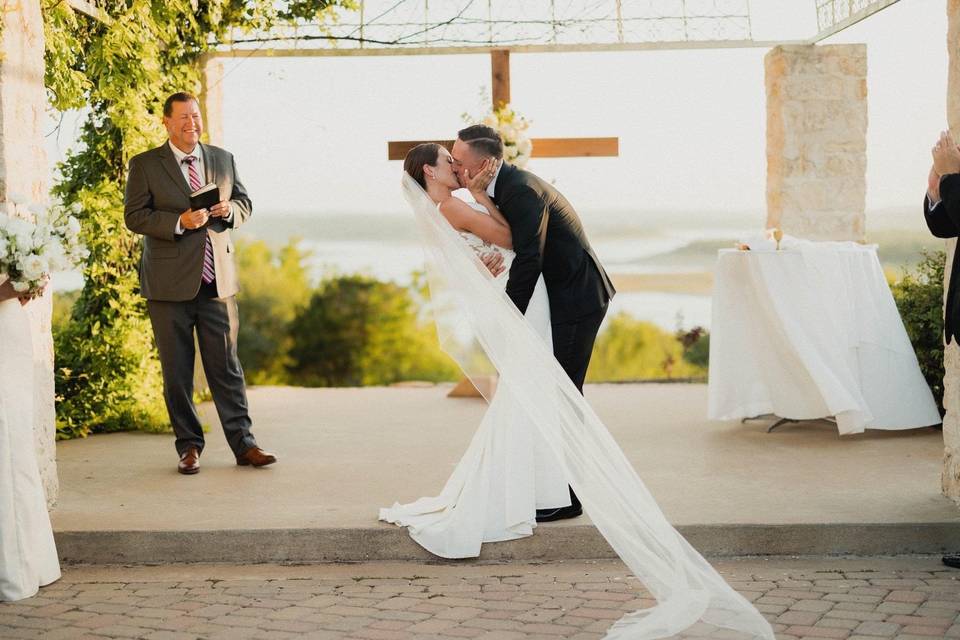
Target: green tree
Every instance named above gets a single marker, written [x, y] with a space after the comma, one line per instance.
[919, 297]
[121, 69]
[631, 349]
[357, 331]
[274, 288]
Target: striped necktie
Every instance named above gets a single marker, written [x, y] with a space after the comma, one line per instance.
[208, 273]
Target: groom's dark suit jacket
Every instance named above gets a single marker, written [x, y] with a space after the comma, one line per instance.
[944, 222]
[548, 238]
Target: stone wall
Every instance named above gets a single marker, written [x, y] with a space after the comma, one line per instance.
[816, 140]
[23, 170]
[951, 381]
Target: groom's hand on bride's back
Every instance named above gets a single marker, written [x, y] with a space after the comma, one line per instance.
[493, 261]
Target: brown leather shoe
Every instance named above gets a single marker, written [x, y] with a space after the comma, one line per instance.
[256, 456]
[189, 461]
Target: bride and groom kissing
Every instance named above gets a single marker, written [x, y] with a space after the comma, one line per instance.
[515, 284]
[520, 226]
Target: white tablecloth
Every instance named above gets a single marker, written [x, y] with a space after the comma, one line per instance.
[809, 332]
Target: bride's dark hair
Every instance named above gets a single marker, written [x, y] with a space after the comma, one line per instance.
[426, 153]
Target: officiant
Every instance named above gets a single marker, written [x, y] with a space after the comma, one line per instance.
[184, 197]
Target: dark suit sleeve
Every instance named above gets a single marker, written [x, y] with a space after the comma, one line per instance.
[240, 201]
[944, 219]
[527, 217]
[138, 212]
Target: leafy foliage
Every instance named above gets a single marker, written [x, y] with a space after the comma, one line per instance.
[274, 290]
[121, 70]
[359, 331]
[631, 349]
[919, 297]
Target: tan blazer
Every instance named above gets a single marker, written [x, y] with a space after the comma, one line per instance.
[156, 195]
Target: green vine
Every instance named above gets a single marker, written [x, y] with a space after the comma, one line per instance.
[120, 70]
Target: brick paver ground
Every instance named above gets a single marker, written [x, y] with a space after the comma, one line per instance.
[803, 598]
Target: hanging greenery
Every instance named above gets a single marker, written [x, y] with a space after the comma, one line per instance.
[119, 71]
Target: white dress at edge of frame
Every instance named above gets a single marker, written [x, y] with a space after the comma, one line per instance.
[28, 555]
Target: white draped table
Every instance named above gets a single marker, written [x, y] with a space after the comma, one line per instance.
[809, 332]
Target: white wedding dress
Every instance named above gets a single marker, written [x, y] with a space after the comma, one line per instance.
[28, 556]
[507, 472]
[480, 327]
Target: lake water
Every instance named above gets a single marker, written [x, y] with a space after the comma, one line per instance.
[628, 242]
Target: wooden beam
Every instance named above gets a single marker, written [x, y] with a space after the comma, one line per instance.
[542, 147]
[576, 147]
[500, 77]
[244, 52]
[398, 149]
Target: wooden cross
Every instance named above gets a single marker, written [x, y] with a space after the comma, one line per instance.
[542, 147]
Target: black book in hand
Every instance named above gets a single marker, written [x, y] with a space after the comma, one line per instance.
[205, 197]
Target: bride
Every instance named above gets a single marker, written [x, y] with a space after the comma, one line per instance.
[507, 472]
[480, 327]
[28, 556]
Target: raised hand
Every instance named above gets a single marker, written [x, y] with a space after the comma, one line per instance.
[946, 156]
[933, 185]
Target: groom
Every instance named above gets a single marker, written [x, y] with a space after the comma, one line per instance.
[189, 280]
[548, 238]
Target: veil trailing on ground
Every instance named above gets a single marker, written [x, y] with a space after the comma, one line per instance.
[483, 331]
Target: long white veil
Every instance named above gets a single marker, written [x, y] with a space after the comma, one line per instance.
[483, 331]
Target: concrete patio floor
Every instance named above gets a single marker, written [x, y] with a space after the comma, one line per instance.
[732, 488]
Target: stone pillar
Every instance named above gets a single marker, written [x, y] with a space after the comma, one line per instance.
[211, 99]
[23, 170]
[817, 140]
[951, 380]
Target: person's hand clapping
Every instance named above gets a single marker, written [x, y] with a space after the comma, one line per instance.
[933, 185]
[946, 155]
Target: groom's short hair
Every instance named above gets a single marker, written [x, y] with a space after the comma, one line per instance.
[483, 139]
[180, 96]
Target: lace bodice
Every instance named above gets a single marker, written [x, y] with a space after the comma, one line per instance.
[478, 244]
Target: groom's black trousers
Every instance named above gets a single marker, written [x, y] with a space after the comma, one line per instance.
[573, 344]
[572, 347]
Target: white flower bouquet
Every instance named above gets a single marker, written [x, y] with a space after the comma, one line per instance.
[36, 241]
[512, 127]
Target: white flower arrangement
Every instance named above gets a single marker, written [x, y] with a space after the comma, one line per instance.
[36, 241]
[517, 146]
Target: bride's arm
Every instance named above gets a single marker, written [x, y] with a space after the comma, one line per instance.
[463, 217]
[491, 207]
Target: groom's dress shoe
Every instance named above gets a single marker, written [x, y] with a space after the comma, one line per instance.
[560, 513]
[255, 456]
[189, 461]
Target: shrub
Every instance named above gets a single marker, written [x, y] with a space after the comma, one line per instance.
[358, 331]
[631, 349]
[919, 298]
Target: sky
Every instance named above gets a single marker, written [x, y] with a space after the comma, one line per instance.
[309, 135]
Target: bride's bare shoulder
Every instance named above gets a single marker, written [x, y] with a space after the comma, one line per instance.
[454, 207]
